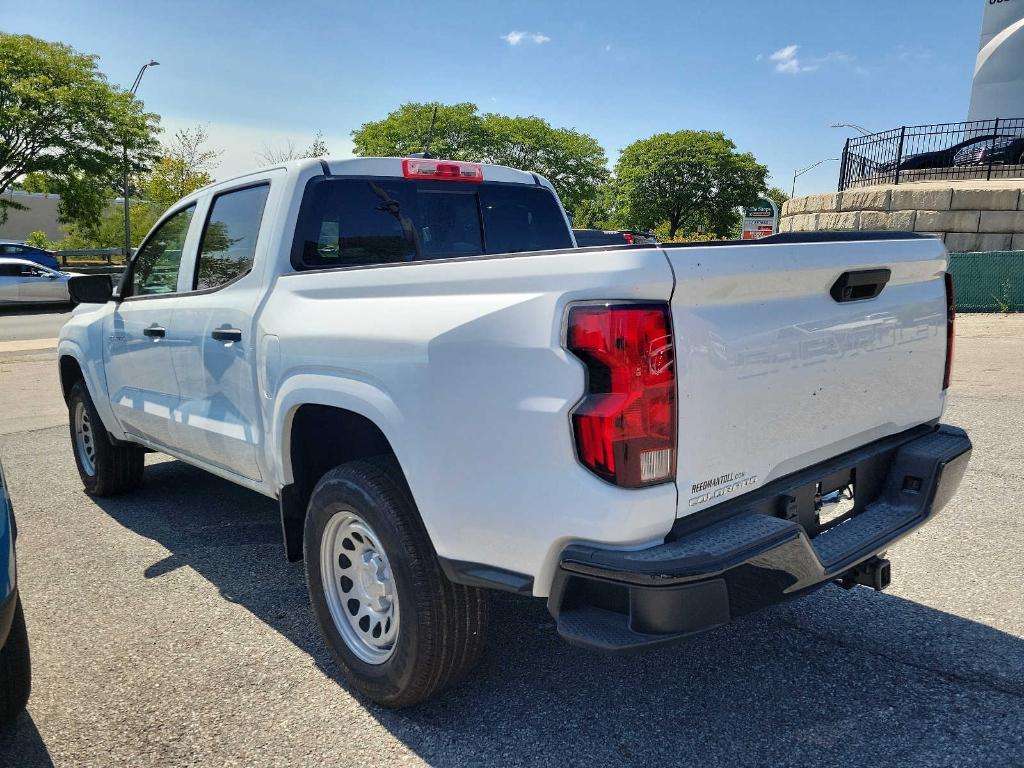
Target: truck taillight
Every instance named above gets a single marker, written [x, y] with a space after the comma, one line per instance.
[625, 426]
[441, 170]
[950, 329]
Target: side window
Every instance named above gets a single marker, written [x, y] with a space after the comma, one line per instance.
[9, 270]
[229, 239]
[156, 265]
[8, 249]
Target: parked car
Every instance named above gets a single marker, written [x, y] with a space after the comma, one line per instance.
[979, 150]
[25, 282]
[12, 249]
[638, 237]
[445, 397]
[15, 665]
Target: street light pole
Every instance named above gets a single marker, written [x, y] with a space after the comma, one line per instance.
[124, 155]
[860, 129]
[801, 172]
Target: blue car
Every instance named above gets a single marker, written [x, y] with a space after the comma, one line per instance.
[15, 667]
[14, 250]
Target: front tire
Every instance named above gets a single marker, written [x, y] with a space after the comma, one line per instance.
[106, 468]
[398, 629]
[15, 668]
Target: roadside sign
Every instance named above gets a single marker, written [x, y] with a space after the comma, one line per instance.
[760, 220]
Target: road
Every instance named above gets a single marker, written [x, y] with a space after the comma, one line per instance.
[22, 323]
[167, 630]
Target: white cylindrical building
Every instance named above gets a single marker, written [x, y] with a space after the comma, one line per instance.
[998, 89]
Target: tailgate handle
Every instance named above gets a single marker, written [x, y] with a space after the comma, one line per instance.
[860, 285]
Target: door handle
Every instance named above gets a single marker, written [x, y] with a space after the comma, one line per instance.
[226, 334]
[860, 285]
[155, 331]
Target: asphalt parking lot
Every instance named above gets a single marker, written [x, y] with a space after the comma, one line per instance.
[167, 629]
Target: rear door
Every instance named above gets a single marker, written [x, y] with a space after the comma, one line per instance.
[10, 282]
[215, 354]
[140, 332]
[774, 374]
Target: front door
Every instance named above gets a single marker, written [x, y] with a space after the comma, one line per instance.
[219, 417]
[140, 333]
[39, 284]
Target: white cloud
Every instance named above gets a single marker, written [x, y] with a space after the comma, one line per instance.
[789, 61]
[516, 37]
[786, 60]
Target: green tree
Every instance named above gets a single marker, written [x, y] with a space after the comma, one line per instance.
[458, 132]
[319, 147]
[108, 231]
[574, 162]
[597, 211]
[39, 239]
[687, 181]
[61, 120]
[777, 196]
[184, 167]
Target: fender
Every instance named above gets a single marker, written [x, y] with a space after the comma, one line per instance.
[337, 389]
[95, 379]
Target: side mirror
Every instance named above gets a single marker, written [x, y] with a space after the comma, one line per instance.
[90, 289]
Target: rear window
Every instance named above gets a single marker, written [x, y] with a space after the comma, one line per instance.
[357, 222]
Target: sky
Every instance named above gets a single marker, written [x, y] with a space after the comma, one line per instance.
[772, 75]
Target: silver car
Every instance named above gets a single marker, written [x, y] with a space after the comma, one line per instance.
[25, 282]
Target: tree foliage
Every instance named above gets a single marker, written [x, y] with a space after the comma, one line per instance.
[777, 196]
[458, 132]
[290, 151]
[574, 162]
[61, 120]
[687, 182]
[183, 167]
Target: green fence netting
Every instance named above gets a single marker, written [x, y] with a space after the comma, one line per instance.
[988, 282]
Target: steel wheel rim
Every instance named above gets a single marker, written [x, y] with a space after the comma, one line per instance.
[85, 439]
[359, 586]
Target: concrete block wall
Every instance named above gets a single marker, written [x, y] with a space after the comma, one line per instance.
[969, 216]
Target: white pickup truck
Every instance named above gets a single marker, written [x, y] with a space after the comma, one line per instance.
[447, 396]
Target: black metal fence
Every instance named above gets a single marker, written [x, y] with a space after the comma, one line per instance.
[983, 149]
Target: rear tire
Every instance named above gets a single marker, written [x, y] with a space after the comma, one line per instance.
[422, 632]
[106, 468]
[15, 668]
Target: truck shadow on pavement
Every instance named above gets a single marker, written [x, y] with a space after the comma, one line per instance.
[22, 738]
[834, 679]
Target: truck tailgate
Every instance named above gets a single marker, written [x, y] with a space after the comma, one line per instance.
[774, 374]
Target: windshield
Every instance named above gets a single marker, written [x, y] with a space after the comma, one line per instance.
[353, 222]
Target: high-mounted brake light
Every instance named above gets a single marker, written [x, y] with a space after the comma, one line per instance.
[950, 329]
[441, 170]
[625, 426]
[628, 237]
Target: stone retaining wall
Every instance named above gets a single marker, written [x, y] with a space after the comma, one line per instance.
[968, 216]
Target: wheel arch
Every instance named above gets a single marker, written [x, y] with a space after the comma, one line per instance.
[70, 373]
[318, 428]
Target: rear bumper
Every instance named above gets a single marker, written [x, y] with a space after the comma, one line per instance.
[756, 550]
